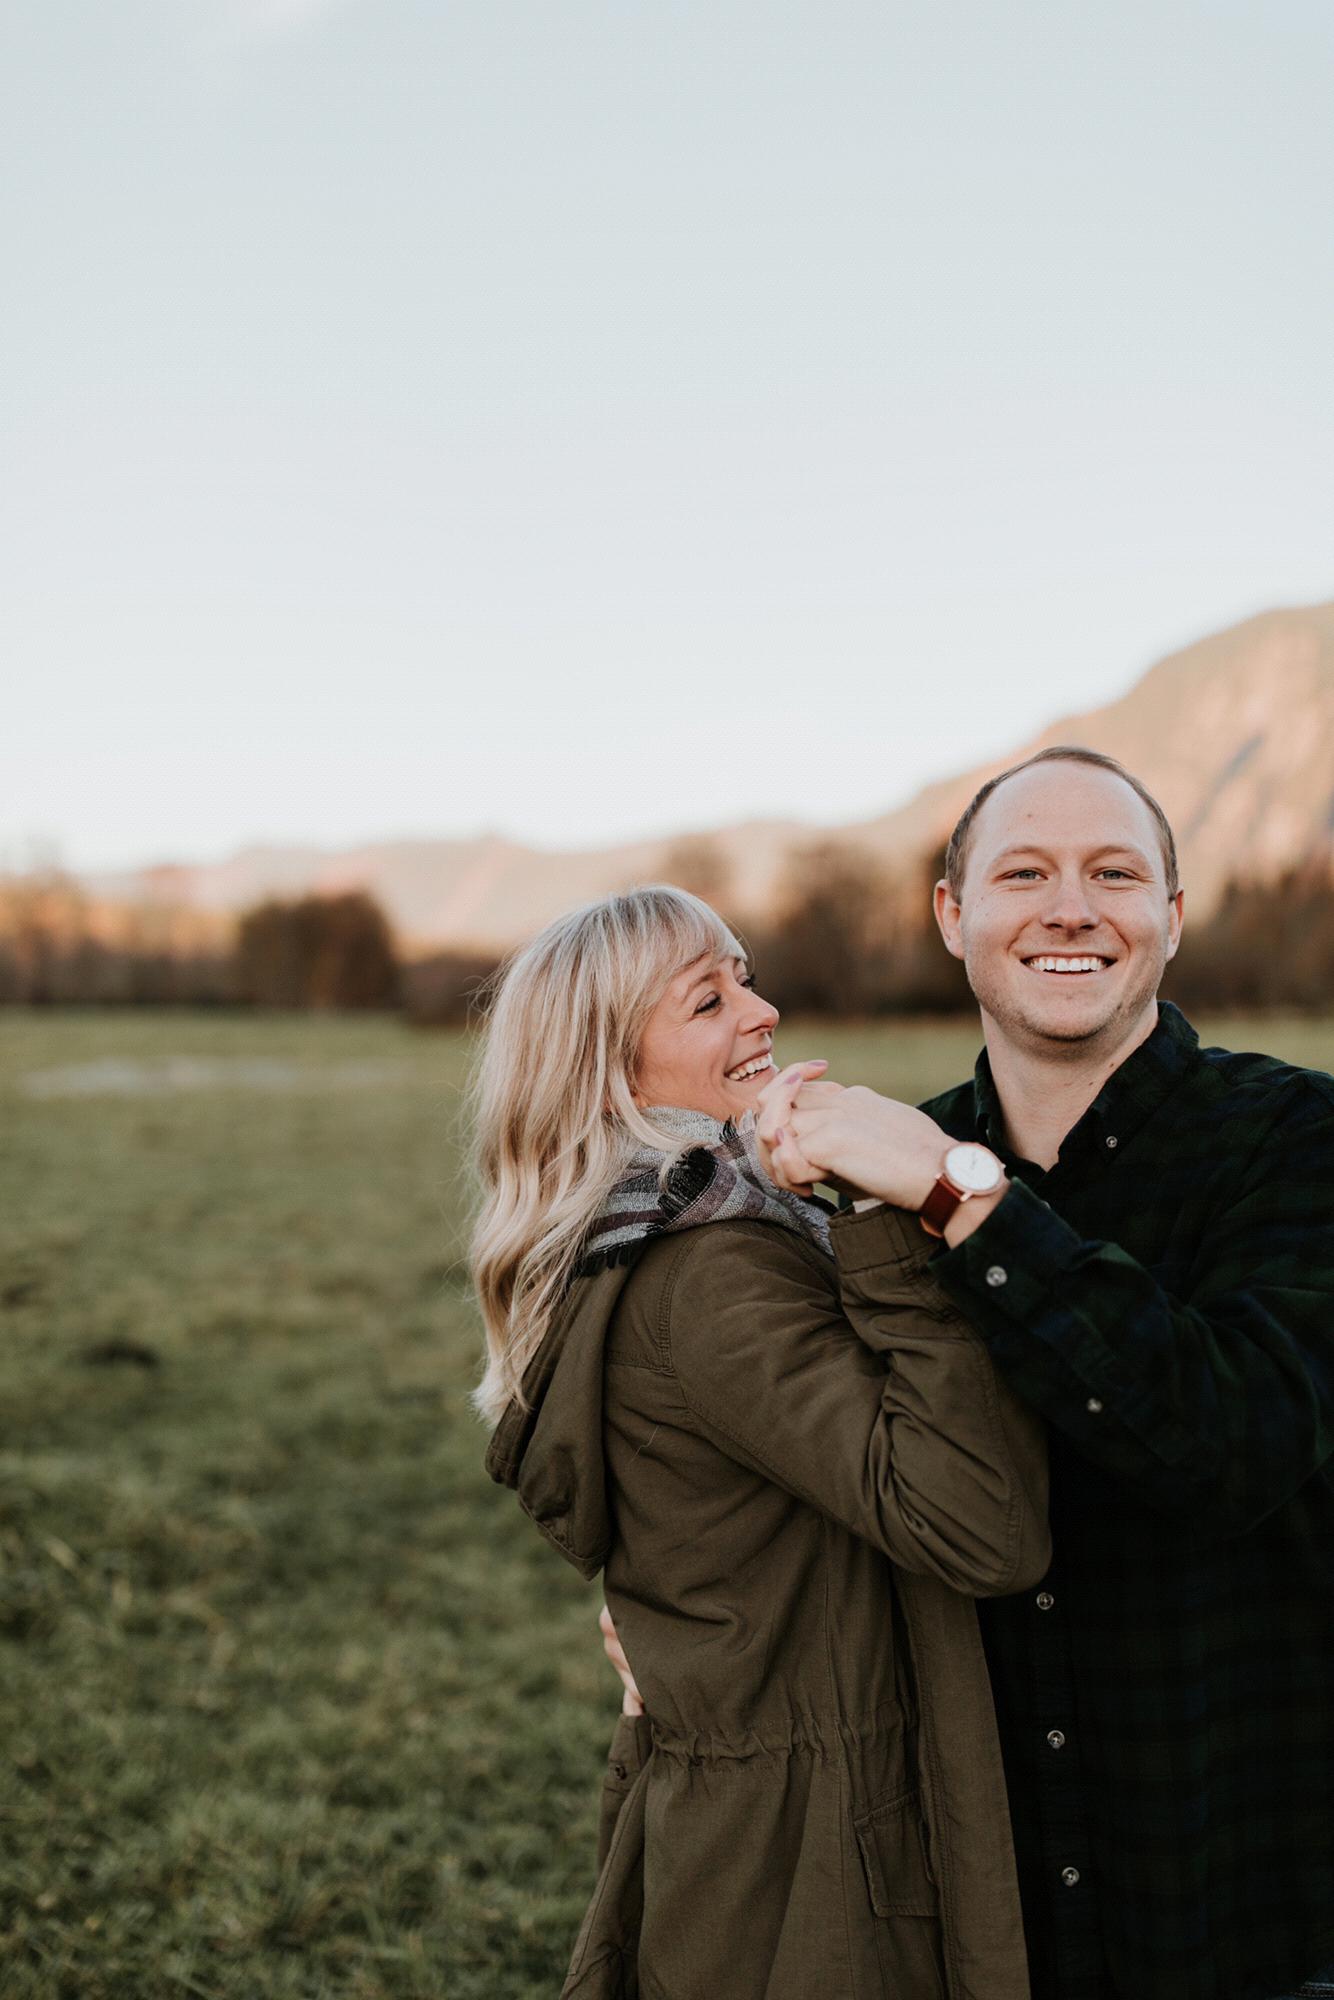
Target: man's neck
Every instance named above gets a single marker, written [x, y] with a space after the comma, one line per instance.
[1043, 1095]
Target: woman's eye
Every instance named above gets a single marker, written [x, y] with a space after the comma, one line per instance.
[748, 981]
[707, 1006]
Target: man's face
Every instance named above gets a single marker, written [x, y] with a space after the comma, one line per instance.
[1064, 922]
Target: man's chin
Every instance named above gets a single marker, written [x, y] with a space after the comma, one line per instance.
[1068, 1030]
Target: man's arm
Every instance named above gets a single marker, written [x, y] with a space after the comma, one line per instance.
[1218, 1404]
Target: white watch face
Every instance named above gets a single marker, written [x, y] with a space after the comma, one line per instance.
[973, 1169]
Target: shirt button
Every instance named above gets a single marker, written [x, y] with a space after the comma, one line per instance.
[1056, 1738]
[1112, 1142]
[997, 1274]
[1044, 1600]
[1069, 1876]
[1093, 1406]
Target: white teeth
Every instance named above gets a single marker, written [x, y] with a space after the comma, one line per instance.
[1069, 964]
[744, 1070]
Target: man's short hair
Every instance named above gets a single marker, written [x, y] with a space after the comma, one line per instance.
[956, 854]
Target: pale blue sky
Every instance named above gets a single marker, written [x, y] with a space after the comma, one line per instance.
[574, 419]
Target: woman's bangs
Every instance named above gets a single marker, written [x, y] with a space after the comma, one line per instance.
[699, 932]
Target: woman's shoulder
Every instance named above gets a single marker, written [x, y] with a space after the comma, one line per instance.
[690, 1275]
[739, 1243]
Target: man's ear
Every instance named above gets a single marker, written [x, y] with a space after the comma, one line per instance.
[1175, 910]
[948, 918]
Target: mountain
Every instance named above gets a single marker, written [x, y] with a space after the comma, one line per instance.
[1234, 735]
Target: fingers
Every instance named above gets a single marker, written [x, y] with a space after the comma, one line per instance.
[788, 1165]
[778, 1097]
[790, 1079]
[611, 1644]
[631, 1701]
[782, 1158]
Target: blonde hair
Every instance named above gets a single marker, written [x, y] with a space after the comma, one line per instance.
[554, 1106]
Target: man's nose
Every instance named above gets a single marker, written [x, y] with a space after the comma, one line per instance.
[1068, 906]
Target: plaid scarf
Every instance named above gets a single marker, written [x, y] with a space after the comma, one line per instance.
[715, 1176]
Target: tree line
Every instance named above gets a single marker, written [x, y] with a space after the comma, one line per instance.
[849, 938]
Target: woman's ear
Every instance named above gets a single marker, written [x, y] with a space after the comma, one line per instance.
[631, 1089]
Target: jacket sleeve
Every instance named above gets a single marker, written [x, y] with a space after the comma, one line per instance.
[875, 1402]
[1216, 1404]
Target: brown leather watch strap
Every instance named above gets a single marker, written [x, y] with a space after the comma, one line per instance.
[939, 1206]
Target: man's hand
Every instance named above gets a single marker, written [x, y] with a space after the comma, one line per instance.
[811, 1131]
[632, 1702]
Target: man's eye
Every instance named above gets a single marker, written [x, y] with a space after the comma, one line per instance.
[1022, 874]
[1123, 873]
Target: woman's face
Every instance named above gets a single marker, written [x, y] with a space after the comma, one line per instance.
[708, 1042]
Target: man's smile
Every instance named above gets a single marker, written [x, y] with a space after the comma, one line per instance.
[1064, 964]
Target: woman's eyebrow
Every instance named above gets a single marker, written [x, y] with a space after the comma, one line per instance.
[701, 979]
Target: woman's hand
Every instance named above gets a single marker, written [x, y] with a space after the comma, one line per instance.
[632, 1702]
[779, 1154]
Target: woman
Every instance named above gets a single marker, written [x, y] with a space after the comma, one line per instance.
[792, 1464]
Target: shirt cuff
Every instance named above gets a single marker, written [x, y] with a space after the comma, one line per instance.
[1010, 1262]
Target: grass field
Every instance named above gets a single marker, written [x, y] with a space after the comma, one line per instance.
[294, 1702]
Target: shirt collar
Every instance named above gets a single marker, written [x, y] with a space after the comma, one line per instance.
[1131, 1093]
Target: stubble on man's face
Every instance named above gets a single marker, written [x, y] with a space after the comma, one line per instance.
[1064, 925]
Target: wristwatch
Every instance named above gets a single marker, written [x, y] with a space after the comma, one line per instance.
[967, 1170]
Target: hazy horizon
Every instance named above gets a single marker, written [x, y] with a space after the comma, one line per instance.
[646, 835]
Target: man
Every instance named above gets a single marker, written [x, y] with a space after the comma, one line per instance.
[1143, 1233]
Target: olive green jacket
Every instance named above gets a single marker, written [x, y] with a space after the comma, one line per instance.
[795, 1475]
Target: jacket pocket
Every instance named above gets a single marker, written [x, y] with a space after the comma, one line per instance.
[893, 1850]
[630, 1749]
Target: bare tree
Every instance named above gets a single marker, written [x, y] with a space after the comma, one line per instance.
[320, 951]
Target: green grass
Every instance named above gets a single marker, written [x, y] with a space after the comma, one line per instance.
[293, 1701]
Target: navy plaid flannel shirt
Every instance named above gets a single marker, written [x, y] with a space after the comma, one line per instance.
[1165, 1297]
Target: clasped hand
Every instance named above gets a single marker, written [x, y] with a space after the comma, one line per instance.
[812, 1130]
